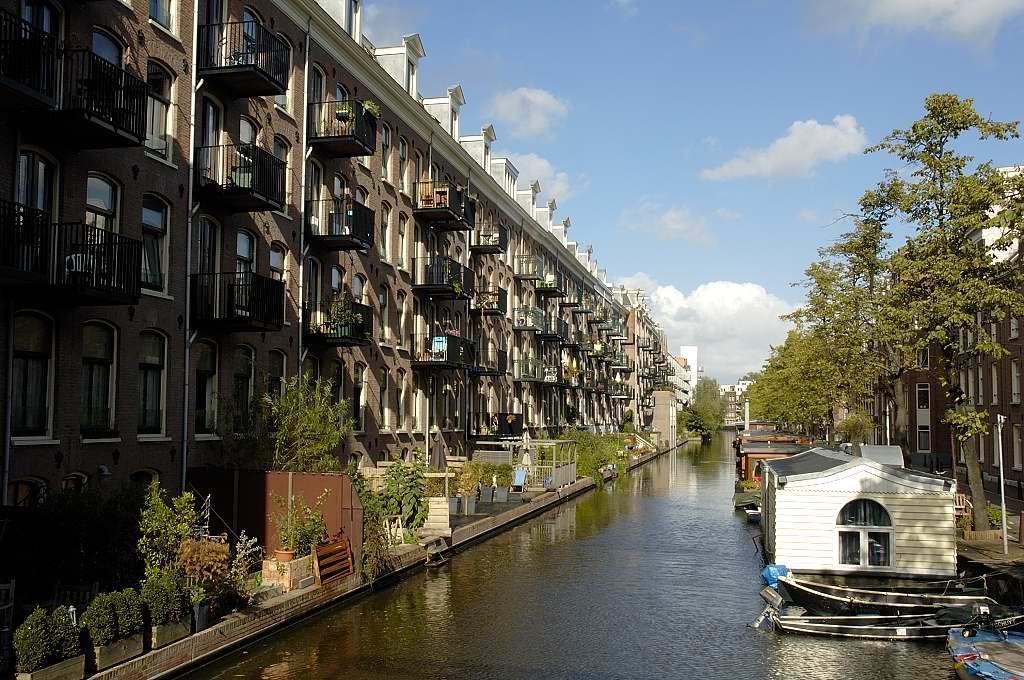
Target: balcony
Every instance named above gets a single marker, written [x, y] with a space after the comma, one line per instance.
[240, 178]
[554, 330]
[25, 245]
[575, 340]
[490, 301]
[443, 205]
[618, 330]
[528, 319]
[243, 58]
[552, 284]
[619, 390]
[491, 361]
[600, 385]
[444, 352]
[442, 277]
[490, 238]
[618, 360]
[342, 129]
[585, 304]
[528, 370]
[498, 424]
[338, 224]
[587, 380]
[552, 375]
[29, 65]
[599, 316]
[231, 302]
[344, 323]
[99, 105]
[529, 267]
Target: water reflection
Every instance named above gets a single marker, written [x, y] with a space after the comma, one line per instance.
[652, 576]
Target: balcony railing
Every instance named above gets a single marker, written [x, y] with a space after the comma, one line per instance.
[29, 64]
[528, 370]
[95, 266]
[552, 374]
[490, 238]
[527, 319]
[490, 301]
[25, 237]
[619, 390]
[240, 177]
[243, 58]
[600, 385]
[442, 351]
[529, 267]
[491, 361]
[552, 284]
[555, 329]
[575, 339]
[618, 360]
[442, 277]
[599, 316]
[444, 205]
[340, 224]
[587, 380]
[341, 323]
[498, 424]
[585, 305]
[618, 330]
[342, 129]
[237, 301]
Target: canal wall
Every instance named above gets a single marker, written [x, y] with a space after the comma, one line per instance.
[240, 628]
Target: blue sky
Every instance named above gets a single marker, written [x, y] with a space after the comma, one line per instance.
[705, 149]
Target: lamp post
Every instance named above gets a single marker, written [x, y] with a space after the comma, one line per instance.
[1000, 419]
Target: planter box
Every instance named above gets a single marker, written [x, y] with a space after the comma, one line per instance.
[117, 651]
[201, 615]
[287, 575]
[984, 535]
[163, 635]
[453, 506]
[501, 494]
[487, 495]
[69, 669]
[469, 505]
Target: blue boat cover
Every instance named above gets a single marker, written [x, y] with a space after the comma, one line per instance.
[772, 572]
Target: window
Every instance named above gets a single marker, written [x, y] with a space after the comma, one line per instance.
[276, 372]
[383, 246]
[924, 438]
[358, 397]
[277, 262]
[382, 299]
[283, 100]
[418, 168]
[209, 242]
[101, 203]
[403, 164]
[154, 231]
[106, 47]
[402, 319]
[242, 390]
[1015, 381]
[206, 387]
[1017, 446]
[403, 245]
[97, 379]
[415, 412]
[338, 380]
[33, 370]
[358, 287]
[152, 363]
[385, 153]
[865, 534]
[410, 77]
[400, 420]
[312, 286]
[337, 281]
[37, 178]
[282, 152]
[310, 369]
[248, 131]
[158, 124]
[923, 397]
[160, 12]
[995, 384]
[26, 493]
[383, 406]
[922, 357]
[41, 15]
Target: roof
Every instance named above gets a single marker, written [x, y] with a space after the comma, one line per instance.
[886, 455]
[818, 462]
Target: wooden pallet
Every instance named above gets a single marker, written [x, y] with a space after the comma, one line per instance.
[333, 561]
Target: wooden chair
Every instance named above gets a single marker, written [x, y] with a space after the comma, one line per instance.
[961, 505]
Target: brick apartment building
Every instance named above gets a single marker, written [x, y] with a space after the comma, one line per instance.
[197, 206]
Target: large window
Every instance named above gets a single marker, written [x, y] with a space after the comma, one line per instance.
[403, 244]
[276, 372]
[105, 47]
[1015, 381]
[158, 123]
[33, 369]
[101, 203]
[383, 244]
[152, 366]
[284, 99]
[385, 153]
[97, 388]
[923, 397]
[206, 387]
[242, 389]
[282, 151]
[160, 12]
[403, 164]
[37, 178]
[995, 384]
[403, 396]
[154, 233]
[924, 438]
[358, 397]
[384, 409]
[400, 303]
[382, 299]
[865, 534]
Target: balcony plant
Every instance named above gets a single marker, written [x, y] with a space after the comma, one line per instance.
[48, 646]
[343, 111]
[341, 314]
[113, 625]
[371, 108]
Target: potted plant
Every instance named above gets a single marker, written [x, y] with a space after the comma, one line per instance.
[342, 111]
[205, 566]
[300, 527]
[504, 482]
[468, 482]
[48, 647]
[371, 108]
[167, 607]
[113, 625]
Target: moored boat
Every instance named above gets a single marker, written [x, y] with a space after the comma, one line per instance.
[913, 627]
[822, 599]
[990, 655]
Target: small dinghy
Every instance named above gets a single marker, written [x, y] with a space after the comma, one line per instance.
[913, 627]
[822, 599]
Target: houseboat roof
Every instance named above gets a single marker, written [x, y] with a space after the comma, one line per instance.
[820, 462]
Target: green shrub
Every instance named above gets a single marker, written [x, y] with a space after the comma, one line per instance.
[504, 475]
[750, 484]
[164, 527]
[299, 527]
[33, 644]
[67, 640]
[995, 516]
[128, 607]
[164, 597]
[100, 619]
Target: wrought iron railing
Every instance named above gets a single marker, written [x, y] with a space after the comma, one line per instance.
[244, 298]
[528, 319]
[492, 234]
[529, 370]
[442, 349]
[444, 196]
[28, 56]
[491, 360]
[553, 281]
[25, 235]
[96, 260]
[342, 118]
[498, 425]
[491, 299]
[104, 91]
[445, 272]
[243, 43]
[340, 217]
[242, 167]
[529, 267]
[340, 322]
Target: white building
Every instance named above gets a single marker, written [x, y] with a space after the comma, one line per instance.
[829, 512]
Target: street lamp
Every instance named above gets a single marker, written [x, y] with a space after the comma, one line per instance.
[1000, 419]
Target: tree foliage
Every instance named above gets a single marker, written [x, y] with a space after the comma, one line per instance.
[308, 425]
[705, 413]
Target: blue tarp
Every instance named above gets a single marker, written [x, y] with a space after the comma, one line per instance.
[772, 572]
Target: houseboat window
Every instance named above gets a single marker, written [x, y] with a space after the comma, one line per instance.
[865, 534]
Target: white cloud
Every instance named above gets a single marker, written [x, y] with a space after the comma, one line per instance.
[667, 223]
[528, 111]
[734, 323]
[554, 183]
[969, 20]
[806, 144]
[384, 21]
[728, 214]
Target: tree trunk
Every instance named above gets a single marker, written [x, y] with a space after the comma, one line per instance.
[976, 485]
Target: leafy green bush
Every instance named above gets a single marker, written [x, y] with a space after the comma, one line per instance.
[310, 423]
[377, 559]
[403, 492]
[129, 613]
[164, 527]
[995, 516]
[100, 619]
[67, 640]
[750, 484]
[300, 527]
[163, 595]
[505, 475]
[593, 452]
[33, 644]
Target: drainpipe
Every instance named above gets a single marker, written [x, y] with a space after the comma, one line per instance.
[306, 152]
[5, 480]
[189, 336]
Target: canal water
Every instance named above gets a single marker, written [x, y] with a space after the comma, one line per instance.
[653, 576]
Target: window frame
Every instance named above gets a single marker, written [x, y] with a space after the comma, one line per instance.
[161, 427]
[163, 246]
[46, 431]
[153, 66]
[211, 401]
[864, 531]
[89, 430]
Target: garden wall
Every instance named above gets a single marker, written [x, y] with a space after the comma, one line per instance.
[243, 499]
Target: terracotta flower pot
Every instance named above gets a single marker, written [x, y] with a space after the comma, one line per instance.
[284, 555]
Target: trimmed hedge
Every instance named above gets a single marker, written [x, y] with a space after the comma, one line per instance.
[45, 639]
[113, 616]
[164, 598]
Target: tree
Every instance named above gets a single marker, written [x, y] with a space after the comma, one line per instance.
[955, 271]
[706, 411]
[307, 425]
